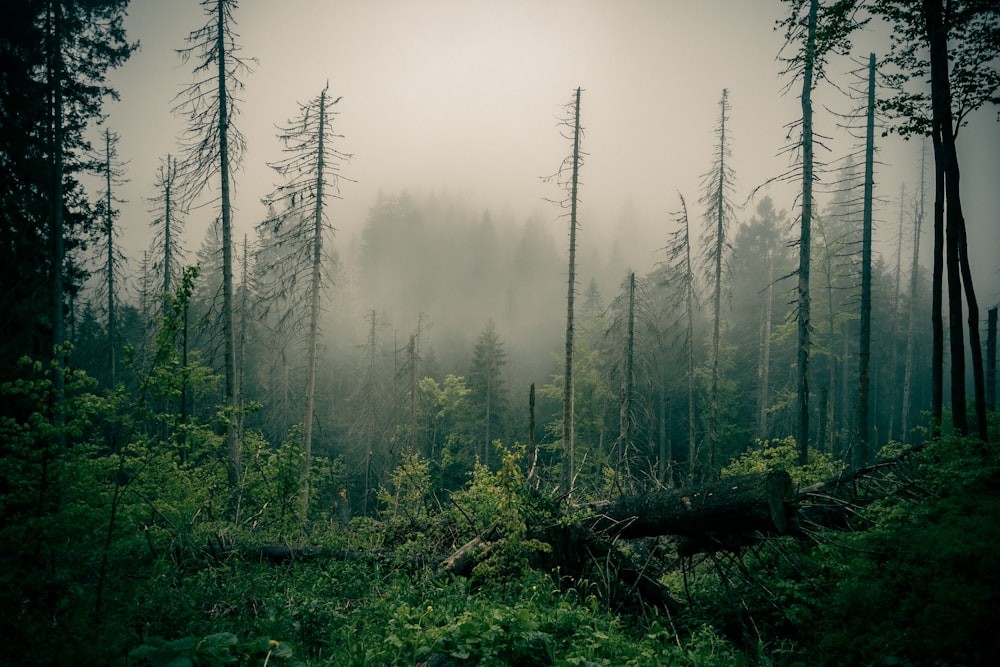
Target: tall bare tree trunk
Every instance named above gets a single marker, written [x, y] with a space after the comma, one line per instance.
[625, 405]
[764, 363]
[894, 362]
[56, 203]
[719, 237]
[918, 219]
[861, 450]
[569, 434]
[228, 329]
[110, 260]
[804, 324]
[315, 285]
[991, 358]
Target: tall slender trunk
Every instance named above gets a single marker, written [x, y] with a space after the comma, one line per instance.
[918, 218]
[689, 316]
[937, 295]
[489, 396]
[109, 230]
[228, 329]
[569, 433]
[241, 369]
[991, 358]
[666, 458]
[56, 203]
[625, 406]
[314, 303]
[894, 362]
[720, 244]
[167, 231]
[369, 434]
[764, 363]
[861, 450]
[805, 237]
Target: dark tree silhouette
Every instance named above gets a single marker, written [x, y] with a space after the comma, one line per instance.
[212, 148]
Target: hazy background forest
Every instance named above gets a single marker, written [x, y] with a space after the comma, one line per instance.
[443, 231]
[282, 281]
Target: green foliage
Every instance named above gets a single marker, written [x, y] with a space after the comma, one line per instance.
[765, 455]
[917, 586]
[215, 650]
[407, 506]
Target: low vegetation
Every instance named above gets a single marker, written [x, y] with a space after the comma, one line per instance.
[127, 548]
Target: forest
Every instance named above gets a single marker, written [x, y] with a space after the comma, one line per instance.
[742, 433]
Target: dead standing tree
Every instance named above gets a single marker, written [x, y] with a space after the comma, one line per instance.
[212, 147]
[299, 224]
[568, 178]
[815, 32]
[168, 253]
[113, 174]
[680, 278]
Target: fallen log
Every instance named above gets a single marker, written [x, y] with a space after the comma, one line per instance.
[761, 502]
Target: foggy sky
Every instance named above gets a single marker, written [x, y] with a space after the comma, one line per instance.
[463, 97]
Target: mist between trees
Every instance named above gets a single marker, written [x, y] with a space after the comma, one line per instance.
[437, 296]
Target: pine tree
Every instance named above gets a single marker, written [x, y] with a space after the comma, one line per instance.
[113, 260]
[300, 225]
[679, 279]
[815, 33]
[167, 246]
[486, 382]
[719, 212]
[213, 147]
[568, 177]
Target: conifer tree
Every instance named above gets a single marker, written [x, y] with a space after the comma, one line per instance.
[719, 212]
[299, 224]
[568, 177]
[680, 280]
[487, 385]
[213, 147]
[814, 31]
[113, 260]
[167, 247]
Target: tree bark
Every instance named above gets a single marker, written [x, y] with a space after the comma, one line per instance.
[918, 219]
[228, 329]
[804, 324]
[744, 504]
[314, 303]
[991, 358]
[568, 435]
[861, 449]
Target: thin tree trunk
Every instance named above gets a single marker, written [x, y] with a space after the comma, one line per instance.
[56, 203]
[167, 240]
[894, 363]
[692, 440]
[110, 248]
[568, 435]
[764, 365]
[244, 324]
[228, 330]
[720, 244]
[314, 303]
[861, 453]
[804, 237]
[991, 358]
[918, 219]
[625, 407]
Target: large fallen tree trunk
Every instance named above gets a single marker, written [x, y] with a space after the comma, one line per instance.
[761, 502]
